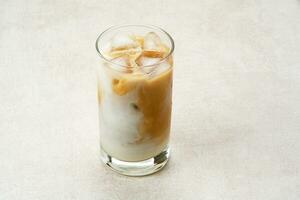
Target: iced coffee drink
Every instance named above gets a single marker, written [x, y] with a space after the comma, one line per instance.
[135, 98]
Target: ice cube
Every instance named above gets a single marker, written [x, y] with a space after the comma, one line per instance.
[138, 39]
[133, 52]
[122, 60]
[147, 64]
[152, 41]
[121, 42]
[145, 61]
[153, 46]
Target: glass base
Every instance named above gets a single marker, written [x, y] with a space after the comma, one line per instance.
[139, 168]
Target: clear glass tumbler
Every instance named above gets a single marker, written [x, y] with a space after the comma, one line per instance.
[135, 98]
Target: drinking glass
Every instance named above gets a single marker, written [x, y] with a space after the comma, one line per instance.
[135, 104]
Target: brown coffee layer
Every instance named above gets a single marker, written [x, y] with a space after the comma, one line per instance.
[154, 101]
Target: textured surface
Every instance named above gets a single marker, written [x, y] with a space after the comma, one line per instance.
[236, 116]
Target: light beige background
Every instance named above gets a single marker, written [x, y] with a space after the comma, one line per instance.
[236, 116]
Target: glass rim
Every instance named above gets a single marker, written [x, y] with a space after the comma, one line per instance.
[135, 25]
